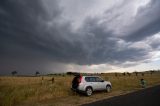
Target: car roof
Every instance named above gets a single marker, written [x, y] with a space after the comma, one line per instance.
[79, 75]
[89, 76]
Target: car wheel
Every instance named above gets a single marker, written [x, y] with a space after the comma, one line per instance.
[89, 91]
[108, 88]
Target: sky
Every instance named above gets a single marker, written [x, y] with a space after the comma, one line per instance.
[57, 36]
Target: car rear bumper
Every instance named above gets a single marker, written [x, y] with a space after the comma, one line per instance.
[77, 90]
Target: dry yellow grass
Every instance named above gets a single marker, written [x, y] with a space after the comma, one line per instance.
[35, 91]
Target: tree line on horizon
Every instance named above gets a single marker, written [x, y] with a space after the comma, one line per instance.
[15, 72]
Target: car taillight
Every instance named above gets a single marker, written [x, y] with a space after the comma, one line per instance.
[79, 79]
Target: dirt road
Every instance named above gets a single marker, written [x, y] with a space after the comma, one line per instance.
[145, 97]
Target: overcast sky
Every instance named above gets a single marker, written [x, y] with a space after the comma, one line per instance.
[79, 35]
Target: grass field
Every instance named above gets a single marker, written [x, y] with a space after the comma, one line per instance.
[33, 91]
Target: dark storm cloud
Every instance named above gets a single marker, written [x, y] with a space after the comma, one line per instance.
[150, 14]
[21, 31]
[26, 39]
[103, 47]
[33, 35]
[19, 23]
[148, 30]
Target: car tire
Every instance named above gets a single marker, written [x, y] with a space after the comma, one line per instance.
[108, 88]
[89, 91]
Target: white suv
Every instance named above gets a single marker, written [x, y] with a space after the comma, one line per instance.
[88, 84]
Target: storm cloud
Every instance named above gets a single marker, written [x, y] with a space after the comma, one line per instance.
[53, 35]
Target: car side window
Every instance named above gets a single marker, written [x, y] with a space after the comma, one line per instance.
[87, 79]
[90, 79]
[98, 79]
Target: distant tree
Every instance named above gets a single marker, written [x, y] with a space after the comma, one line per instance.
[73, 73]
[136, 73]
[129, 74]
[124, 74]
[152, 71]
[14, 72]
[69, 73]
[142, 74]
[37, 73]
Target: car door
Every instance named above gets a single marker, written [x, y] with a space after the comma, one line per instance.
[100, 83]
[92, 82]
